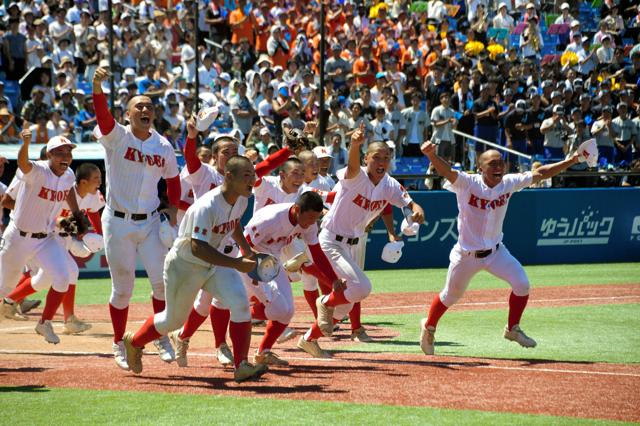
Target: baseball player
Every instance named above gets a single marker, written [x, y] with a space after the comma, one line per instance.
[90, 202]
[324, 181]
[270, 230]
[45, 187]
[136, 157]
[3, 190]
[482, 204]
[360, 196]
[196, 261]
[203, 177]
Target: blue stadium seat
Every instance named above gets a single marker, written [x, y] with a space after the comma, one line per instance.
[86, 87]
[12, 91]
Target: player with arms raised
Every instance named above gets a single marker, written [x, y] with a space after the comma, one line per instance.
[482, 203]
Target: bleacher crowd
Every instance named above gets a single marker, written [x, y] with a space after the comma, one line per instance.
[536, 77]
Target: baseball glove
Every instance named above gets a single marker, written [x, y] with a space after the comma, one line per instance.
[296, 140]
[73, 225]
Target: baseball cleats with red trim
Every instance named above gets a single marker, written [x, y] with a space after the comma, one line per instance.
[269, 358]
[182, 347]
[45, 329]
[360, 335]
[224, 355]
[518, 336]
[427, 337]
[73, 325]
[325, 317]
[312, 348]
[247, 371]
[134, 355]
[120, 355]
[287, 334]
[165, 350]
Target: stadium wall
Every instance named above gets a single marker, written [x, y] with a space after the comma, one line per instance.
[542, 226]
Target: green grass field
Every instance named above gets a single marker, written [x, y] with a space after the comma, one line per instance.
[69, 406]
[588, 333]
[96, 291]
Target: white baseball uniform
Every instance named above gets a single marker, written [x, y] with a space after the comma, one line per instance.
[269, 231]
[3, 190]
[195, 185]
[210, 219]
[356, 203]
[479, 247]
[323, 183]
[29, 237]
[90, 203]
[133, 169]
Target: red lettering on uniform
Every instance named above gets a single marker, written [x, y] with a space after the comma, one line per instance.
[269, 201]
[204, 231]
[52, 195]
[137, 156]
[488, 204]
[367, 204]
[130, 154]
[196, 229]
[190, 194]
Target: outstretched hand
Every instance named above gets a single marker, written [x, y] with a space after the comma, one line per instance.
[99, 76]
[358, 137]
[192, 131]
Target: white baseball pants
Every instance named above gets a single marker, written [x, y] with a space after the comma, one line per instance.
[47, 253]
[276, 296]
[42, 280]
[184, 279]
[124, 239]
[346, 267]
[464, 265]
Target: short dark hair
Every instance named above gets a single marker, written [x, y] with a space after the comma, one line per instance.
[291, 162]
[235, 163]
[310, 201]
[85, 170]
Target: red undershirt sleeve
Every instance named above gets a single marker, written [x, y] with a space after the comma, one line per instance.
[193, 162]
[321, 261]
[103, 116]
[387, 209]
[272, 162]
[173, 190]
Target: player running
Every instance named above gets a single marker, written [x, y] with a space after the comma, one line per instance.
[482, 204]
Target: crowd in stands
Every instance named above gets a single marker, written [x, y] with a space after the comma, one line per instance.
[536, 77]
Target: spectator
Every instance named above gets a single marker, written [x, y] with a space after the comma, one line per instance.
[604, 133]
[15, 51]
[9, 131]
[443, 122]
[555, 131]
[35, 106]
[85, 121]
[417, 123]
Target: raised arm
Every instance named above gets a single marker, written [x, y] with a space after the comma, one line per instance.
[103, 116]
[550, 170]
[442, 167]
[24, 164]
[193, 162]
[357, 139]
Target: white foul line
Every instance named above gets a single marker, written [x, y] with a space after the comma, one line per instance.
[329, 360]
[569, 299]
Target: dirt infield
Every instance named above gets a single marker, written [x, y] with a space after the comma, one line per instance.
[579, 389]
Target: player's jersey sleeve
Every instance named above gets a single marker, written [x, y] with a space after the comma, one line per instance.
[203, 221]
[461, 184]
[171, 165]
[398, 196]
[114, 139]
[357, 179]
[3, 189]
[515, 182]
[310, 235]
[37, 174]
[259, 231]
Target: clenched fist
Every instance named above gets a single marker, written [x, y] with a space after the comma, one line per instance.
[428, 148]
[25, 135]
[99, 76]
[358, 137]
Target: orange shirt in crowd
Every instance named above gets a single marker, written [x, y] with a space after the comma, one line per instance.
[369, 67]
[245, 29]
[280, 58]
